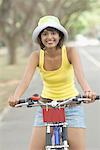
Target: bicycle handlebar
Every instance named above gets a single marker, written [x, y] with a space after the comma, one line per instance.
[35, 100]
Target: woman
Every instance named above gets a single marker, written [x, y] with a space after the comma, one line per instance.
[57, 65]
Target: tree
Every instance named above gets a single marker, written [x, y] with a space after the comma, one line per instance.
[19, 17]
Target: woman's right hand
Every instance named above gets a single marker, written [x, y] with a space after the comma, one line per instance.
[13, 101]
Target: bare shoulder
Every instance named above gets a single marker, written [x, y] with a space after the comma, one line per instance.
[34, 57]
[35, 54]
[71, 53]
[71, 49]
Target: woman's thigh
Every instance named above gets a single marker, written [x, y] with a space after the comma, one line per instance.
[38, 138]
[76, 139]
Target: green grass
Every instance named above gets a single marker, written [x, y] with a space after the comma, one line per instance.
[10, 76]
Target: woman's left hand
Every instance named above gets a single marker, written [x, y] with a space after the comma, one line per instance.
[90, 95]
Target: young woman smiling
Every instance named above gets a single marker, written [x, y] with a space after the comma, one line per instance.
[58, 65]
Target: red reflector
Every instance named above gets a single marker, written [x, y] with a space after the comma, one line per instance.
[53, 115]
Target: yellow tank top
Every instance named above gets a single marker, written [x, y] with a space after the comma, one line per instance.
[58, 84]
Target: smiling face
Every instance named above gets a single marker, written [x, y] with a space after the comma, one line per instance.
[50, 38]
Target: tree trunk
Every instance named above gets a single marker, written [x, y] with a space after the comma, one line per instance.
[11, 52]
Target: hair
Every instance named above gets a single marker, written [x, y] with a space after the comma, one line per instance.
[60, 43]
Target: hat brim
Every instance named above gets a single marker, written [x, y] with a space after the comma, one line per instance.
[38, 29]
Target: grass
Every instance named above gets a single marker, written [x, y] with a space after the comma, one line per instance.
[10, 76]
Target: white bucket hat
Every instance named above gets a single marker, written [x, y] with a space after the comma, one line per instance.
[49, 21]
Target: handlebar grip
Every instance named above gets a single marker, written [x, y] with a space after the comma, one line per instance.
[97, 97]
[21, 101]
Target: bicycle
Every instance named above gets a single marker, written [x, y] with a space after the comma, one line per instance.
[57, 122]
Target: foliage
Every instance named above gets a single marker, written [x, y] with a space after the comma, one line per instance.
[87, 21]
[19, 17]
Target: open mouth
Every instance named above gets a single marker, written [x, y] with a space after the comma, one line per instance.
[50, 42]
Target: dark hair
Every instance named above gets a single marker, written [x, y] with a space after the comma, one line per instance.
[51, 29]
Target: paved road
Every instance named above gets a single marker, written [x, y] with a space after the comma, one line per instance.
[91, 64]
[16, 125]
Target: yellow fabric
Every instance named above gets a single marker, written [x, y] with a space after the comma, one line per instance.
[58, 84]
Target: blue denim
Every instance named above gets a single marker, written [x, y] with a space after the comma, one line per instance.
[74, 117]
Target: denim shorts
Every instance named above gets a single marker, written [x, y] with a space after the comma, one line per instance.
[75, 117]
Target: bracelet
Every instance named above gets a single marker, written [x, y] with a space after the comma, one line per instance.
[86, 91]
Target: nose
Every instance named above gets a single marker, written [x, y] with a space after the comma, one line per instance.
[49, 36]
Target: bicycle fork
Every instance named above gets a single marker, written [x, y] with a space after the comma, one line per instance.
[60, 136]
[64, 137]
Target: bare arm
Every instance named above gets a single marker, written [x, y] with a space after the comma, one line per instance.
[27, 77]
[28, 74]
[74, 59]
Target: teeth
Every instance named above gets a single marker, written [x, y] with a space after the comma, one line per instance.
[50, 41]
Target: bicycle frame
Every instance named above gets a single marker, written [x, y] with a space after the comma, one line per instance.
[57, 122]
[57, 129]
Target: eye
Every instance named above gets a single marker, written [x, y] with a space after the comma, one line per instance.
[44, 33]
